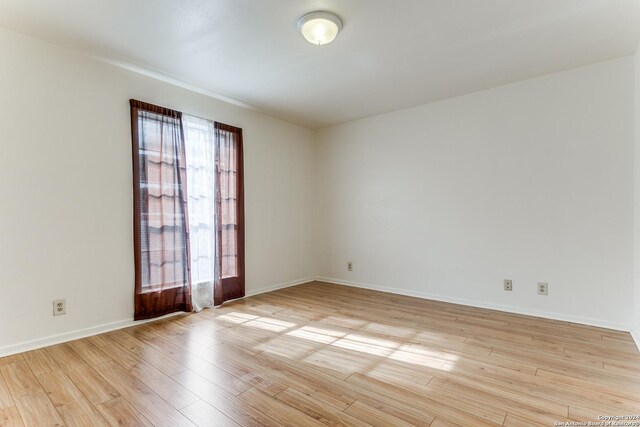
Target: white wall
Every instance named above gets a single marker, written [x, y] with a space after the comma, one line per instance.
[532, 181]
[636, 211]
[66, 190]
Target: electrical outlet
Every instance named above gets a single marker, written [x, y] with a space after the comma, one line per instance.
[350, 266]
[543, 288]
[508, 285]
[59, 307]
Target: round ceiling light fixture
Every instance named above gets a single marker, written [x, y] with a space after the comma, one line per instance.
[319, 27]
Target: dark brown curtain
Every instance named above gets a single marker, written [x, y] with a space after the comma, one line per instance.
[229, 194]
[160, 212]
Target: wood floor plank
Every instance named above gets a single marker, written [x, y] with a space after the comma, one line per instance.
[213, 373]
[203, 414]
[621, 369]
[7, 360]
[228, 404]
[494, 383]
[161, 384]
[30, 399]
[99, 340]
[281, 412]
[10, 417]
[517, 421]
[278, 378]
[341, 363]
[6, 400]
[396, 405]
[435, 407]
[146, 352]
[154, 408]
[510, 403]
[173, 346]
[240, 375]
[119, 412]
[318, 410]
[89, 352]
[40, 362]
[466, 404]
[374, 416]
[439, 422]
[88, 381]
[71, 404]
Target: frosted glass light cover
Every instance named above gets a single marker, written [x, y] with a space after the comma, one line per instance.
[319, 27]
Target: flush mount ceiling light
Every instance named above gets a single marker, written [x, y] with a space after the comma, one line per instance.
[319, 27]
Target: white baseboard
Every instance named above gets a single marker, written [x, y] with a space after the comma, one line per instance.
[73, 335]
[280, 286]
[636, 337]
[481, 304]
[112, 326]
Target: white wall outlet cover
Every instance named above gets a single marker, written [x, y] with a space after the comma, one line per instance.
[59, 307]
[543, 288]
[508, 285]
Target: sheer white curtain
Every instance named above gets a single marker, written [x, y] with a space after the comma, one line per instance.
[200, 156]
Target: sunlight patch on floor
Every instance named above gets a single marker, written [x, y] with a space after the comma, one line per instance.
[362, 347]
[413, 354]
[386, 348]
[323, 336]
[422, 356]
[237, 317]
[270, 324]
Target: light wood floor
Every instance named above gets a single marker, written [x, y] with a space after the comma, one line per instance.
[323, 354]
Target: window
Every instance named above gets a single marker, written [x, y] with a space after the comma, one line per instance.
[188, 211]
[230, 211]
[201, 178]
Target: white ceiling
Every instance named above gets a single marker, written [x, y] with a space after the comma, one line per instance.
[391, 54]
